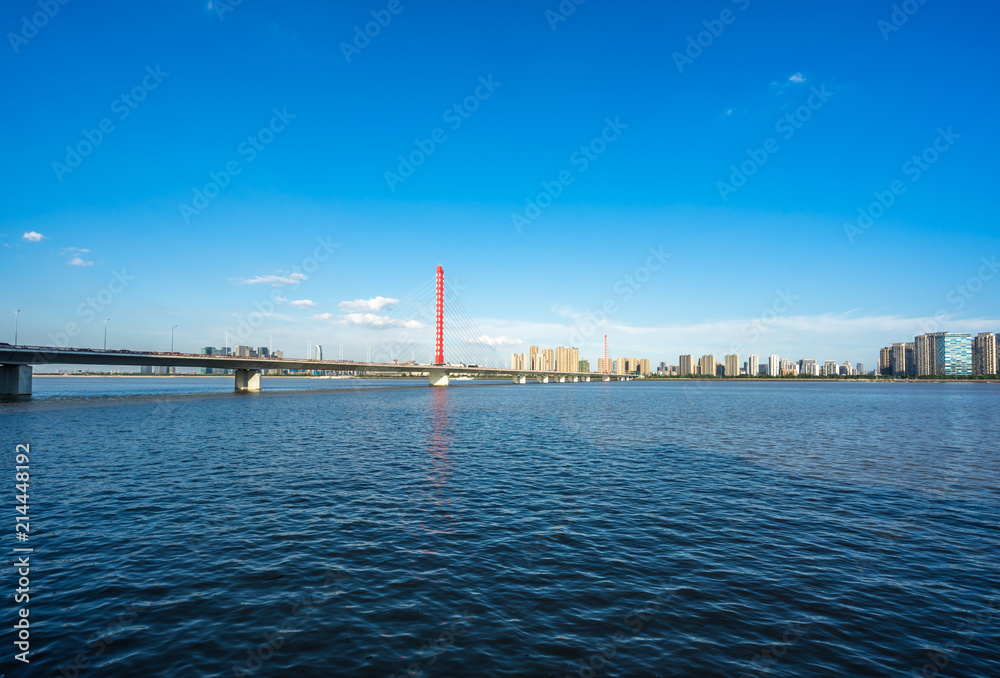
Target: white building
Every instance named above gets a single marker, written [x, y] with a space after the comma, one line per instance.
[753, 366]
[773, 366]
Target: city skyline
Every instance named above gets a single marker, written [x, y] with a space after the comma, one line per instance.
[866, 219]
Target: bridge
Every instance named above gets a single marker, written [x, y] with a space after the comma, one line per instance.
[16, 367]
[16, 363]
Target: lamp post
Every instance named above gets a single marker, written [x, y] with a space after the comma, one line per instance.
[15, 325]
[172, 338]
[106, 333]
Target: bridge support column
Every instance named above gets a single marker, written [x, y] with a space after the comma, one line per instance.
[247, 380]
[586, 378]
[437, 378]
[15, 380]
[542, 380]
[576, 379]
[520, 379]
[605, 378]
[561, 380]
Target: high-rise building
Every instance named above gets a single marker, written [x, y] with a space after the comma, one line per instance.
[753, 366]
[954, 354]
[885, 361]
[860, 368]
[548, 360]
[925, 353]
[604, 366]
[533, 358]
[984, 353]
[583, 366]
[706, 365]
[809, 367]
[897, 360]
[319, 352]
[830, 368]
[846, 368]
[732, 365]
[643, 366]
[518, 361]
[773, 365]
[686, 365]
[911, 359]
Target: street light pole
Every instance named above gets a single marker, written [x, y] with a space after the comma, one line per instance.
[15, 325]
[106, 334]
[172, 338]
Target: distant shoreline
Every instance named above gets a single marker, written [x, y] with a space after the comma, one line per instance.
[816, 380]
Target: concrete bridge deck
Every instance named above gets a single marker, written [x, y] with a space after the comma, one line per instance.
[16, 367]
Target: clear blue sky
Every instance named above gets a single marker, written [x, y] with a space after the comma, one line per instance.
[210, 78]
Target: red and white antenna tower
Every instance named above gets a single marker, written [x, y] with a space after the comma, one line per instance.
[605, 354]
[439, 320]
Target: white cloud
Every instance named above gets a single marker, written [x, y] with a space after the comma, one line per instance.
[797, 78]
[373, 304]
[274, 280]
[77, 261]
[323, 316]
[376, 321]
[32, 236]
[74, 250]
[498, 341]
[302, 303]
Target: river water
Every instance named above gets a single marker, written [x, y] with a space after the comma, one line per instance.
[384, 528]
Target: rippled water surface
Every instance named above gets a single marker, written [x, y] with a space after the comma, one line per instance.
[384, 528]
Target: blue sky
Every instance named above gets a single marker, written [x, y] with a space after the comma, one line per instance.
[760, 263]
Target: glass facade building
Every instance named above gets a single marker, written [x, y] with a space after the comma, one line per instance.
[954, 354]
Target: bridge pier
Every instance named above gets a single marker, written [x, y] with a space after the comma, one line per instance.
[605, 378]
[15, 380]
[561, 380]
[438, 378]
[521, 379]
[247, 380]
[576, 379]
[586, 378]
[542, 380]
